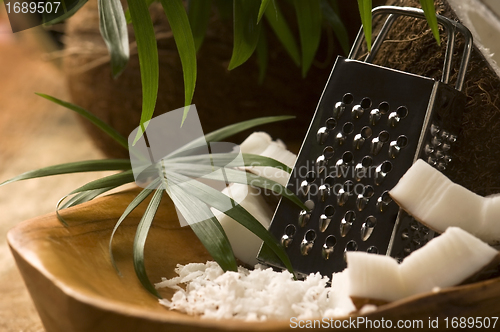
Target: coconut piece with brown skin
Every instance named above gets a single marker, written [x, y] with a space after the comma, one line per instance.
[437, 202]
[448, 260]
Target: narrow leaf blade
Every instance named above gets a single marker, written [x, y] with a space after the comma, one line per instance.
[246, 31]
[78, 199]
[206, 227]
[113, 27]
[222, 133]
[236, 176]
[131, 207]
[140, 241]
[82, 197]
[285, 35]
[199, 15]
[216, 199]
[430, 15]
[262, 9]
[148, 60]
[338, 26]
[114, 180]
[179, 23]
[76, 167]
[128, 18]
[228, 160]
[110, 131]
[365, 11]
[309, 20]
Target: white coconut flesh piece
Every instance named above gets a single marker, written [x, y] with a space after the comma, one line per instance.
[245, 244]
[256, 143]
[437, 202]
[261, 143]
[445, 261]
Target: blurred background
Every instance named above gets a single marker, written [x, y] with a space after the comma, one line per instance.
[34, 133]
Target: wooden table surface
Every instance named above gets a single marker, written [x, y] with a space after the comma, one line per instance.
[33, 133]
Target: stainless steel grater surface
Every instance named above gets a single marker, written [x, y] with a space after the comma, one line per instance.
[371, 124]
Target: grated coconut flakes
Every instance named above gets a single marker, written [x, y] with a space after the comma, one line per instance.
[255, 295]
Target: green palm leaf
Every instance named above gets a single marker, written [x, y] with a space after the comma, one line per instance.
[131, 207]
[76, 167]
[128, 18]
[234, 176]
[148, 60]
[246, 31]
[114, 180]
[338, 26]
[223, 133]
[262, 9]
[430, 15]
[229, 160]
[365, 11]
[285, 35]
[78, 199]
[199, 15]
[179, 23]
[203, 223]
[110, 131]
[113, 27]
[309, 20]
[140, 241]
[214, 198]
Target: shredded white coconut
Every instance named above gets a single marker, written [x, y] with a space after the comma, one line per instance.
[255, 295]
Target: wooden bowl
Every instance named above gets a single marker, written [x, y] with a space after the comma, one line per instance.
[74, 287]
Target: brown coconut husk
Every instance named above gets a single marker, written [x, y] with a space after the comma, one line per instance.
[411, 47]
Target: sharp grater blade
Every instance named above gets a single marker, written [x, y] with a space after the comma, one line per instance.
[371, 124]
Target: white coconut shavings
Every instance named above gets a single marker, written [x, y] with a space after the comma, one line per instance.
[255, 295]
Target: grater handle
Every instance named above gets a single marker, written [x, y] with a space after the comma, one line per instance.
[450, 25]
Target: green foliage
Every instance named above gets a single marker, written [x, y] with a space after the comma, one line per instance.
[110, 131]
[285, 35]
[331, 15]
[203, 223]
[113, 27]
[177, 174]
[179, 23]
[309, 20]
[365, 7]
[430, 15]
[189, 28]
[246, 31]
[140, 241]
[148, 60]
[365, 12]
[262, 9]
[199, 15]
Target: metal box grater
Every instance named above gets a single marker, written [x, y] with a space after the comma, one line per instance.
[371, 124]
